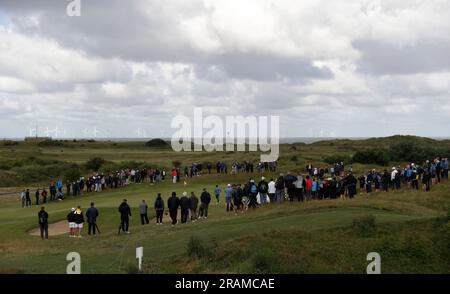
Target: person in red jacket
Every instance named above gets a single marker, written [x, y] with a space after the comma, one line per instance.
[308, 186]
[174, 176]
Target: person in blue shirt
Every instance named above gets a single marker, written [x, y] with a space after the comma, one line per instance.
[217, 192]
[229, 197]
[408, 175]
[59, 185]
[444, 168]
[314, 188]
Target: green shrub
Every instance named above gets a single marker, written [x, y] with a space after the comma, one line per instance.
[294, 158]
[196, 247]
[264, 261]
[72, 174]
[372, 156]
[95, 163]
[365, 226]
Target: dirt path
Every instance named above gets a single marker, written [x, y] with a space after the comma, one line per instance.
[58, 228]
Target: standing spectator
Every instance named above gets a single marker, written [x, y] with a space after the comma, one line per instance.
[253, 192]
[308, 187]
[279, 188]
[143, 207]
[194, 205]
[52, 191]
[385, 181]
[237, 199]
[314, 189]
[272, 190]
[289, 184]
[68, 187]
[263, 187]
[228, 198]
[205, 199]
[125, 213]
[174, 176]
[44, 195]
[159, 209]
[71, 222]
[299, 187]
[28, 198]
[23, 198]
[185, 205]
[173, 203]
[92, 214]
[59, 184]
[217, 192]
[37, 195]
[445, 168]
[43, 223]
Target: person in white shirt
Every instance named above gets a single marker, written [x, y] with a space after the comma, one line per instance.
[271, 190]
[23, 198]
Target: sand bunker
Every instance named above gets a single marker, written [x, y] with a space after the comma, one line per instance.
[54, 229]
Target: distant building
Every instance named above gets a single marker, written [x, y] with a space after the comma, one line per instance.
[37, 139]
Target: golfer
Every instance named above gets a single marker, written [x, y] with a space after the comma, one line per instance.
[79, 220]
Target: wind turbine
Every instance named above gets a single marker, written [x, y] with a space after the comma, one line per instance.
[95, 132]
[49, 131]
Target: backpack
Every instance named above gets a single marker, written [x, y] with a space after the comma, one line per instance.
[253, 189]
[279, 184]
[42, 218]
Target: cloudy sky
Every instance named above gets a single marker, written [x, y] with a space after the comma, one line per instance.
[125, 68]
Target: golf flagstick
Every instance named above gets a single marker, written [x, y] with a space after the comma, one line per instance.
[96, 226]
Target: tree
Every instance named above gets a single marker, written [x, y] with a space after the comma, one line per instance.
[72, 174]
[95, 163]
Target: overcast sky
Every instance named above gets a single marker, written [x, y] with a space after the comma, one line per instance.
[327, 68]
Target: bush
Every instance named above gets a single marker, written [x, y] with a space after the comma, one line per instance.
[156, 143]
[294, 158]
[372, 156]
[264, 262]
[196, 248]
[365, 226]
[95, 163]
[72, 174]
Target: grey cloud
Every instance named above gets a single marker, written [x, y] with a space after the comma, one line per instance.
[380, 58]
[260, 68]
